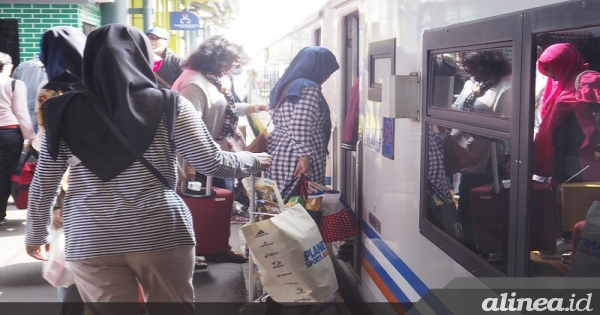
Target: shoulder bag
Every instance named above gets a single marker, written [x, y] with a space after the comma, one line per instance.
[126, 142]
[259, 144]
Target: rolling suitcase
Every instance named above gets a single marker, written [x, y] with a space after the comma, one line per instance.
[211, 214]
[489, 211]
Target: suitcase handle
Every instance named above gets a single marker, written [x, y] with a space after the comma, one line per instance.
[184, 191]
[197, 194]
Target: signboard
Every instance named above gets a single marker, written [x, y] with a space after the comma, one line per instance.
[388, 137]
[184, 21]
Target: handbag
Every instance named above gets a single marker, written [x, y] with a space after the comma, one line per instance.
[444, 212]
[456, 157]
[338, 220]
[292, 259]
[259, 144]
[22, 177]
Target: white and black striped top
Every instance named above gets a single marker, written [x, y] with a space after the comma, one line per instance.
[134, 212]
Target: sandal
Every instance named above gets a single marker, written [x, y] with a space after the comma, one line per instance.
[236, 257]
[200, 264]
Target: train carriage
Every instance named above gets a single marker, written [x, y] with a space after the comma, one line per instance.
[396, 48]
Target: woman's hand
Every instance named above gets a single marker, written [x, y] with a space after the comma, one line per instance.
[36, 251]
[30, 144]
[264, 158]
[303, 166]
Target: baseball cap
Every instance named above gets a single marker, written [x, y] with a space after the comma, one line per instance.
[160, 32]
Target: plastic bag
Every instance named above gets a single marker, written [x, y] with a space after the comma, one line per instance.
[57, 270]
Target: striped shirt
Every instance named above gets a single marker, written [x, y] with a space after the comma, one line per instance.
[134, 212]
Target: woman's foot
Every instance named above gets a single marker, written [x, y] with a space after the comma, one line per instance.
[200, 264]
[236, 257]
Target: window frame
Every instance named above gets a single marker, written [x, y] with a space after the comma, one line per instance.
[496, 32]
[383, 49]
[520, 28]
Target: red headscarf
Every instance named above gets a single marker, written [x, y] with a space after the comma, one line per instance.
[559, 101]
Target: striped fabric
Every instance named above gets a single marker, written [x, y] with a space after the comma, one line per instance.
[297, 134]
[133, 212]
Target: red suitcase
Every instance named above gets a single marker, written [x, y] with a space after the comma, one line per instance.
[489, 211]
[211, 216]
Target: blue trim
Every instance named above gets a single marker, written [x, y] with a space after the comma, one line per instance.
[394, 288]
[402, 268]
[430, 299]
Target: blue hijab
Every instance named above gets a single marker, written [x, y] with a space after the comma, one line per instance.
[61, 52]
[311, 66]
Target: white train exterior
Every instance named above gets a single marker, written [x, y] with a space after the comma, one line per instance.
[398, 258]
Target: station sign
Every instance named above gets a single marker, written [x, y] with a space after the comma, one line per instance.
[184, 21]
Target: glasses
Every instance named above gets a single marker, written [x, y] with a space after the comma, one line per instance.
[154, 38]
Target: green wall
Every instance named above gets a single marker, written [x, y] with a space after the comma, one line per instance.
[35, 19]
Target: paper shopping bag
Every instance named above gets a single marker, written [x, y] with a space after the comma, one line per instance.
[293, 262]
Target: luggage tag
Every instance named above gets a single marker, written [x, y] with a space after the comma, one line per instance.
[73, 161]
[194, 185]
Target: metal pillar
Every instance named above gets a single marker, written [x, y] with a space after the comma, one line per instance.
[147, 14]
[114, 12]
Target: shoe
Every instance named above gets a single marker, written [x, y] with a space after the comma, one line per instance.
[236, 257]
[238, 217]
[3, 221]
[563, 245]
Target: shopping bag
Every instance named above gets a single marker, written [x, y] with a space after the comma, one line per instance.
[293, 262]
[338, 221]
[587, 260]
[22, 177]
[56, 270]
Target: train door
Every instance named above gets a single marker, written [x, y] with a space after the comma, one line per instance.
[345, 179]
[565, 113]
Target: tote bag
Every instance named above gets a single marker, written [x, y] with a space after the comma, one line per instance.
[293, 262]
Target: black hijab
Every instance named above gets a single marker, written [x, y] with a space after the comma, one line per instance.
[61, 52]
[118, 77]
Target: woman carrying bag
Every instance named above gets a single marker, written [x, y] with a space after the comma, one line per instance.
[301, 118]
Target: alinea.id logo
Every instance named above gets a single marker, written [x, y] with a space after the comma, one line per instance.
[514, 304]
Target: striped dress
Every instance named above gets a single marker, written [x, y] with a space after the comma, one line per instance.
[298, 132]
[133, 212]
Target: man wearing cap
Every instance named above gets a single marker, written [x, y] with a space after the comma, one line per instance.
[171, 66]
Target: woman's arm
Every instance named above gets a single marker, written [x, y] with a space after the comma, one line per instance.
[42, 192]
[19, 109]
[195, 144]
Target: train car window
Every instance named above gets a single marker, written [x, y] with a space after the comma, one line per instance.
[475, 81]
[382, 61]
[567, 116]
[467, 194]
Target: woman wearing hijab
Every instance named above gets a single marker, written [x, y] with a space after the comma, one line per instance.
[302, 120]
[62, 54]
[567, 139]
[123, 220]
[15, 125]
